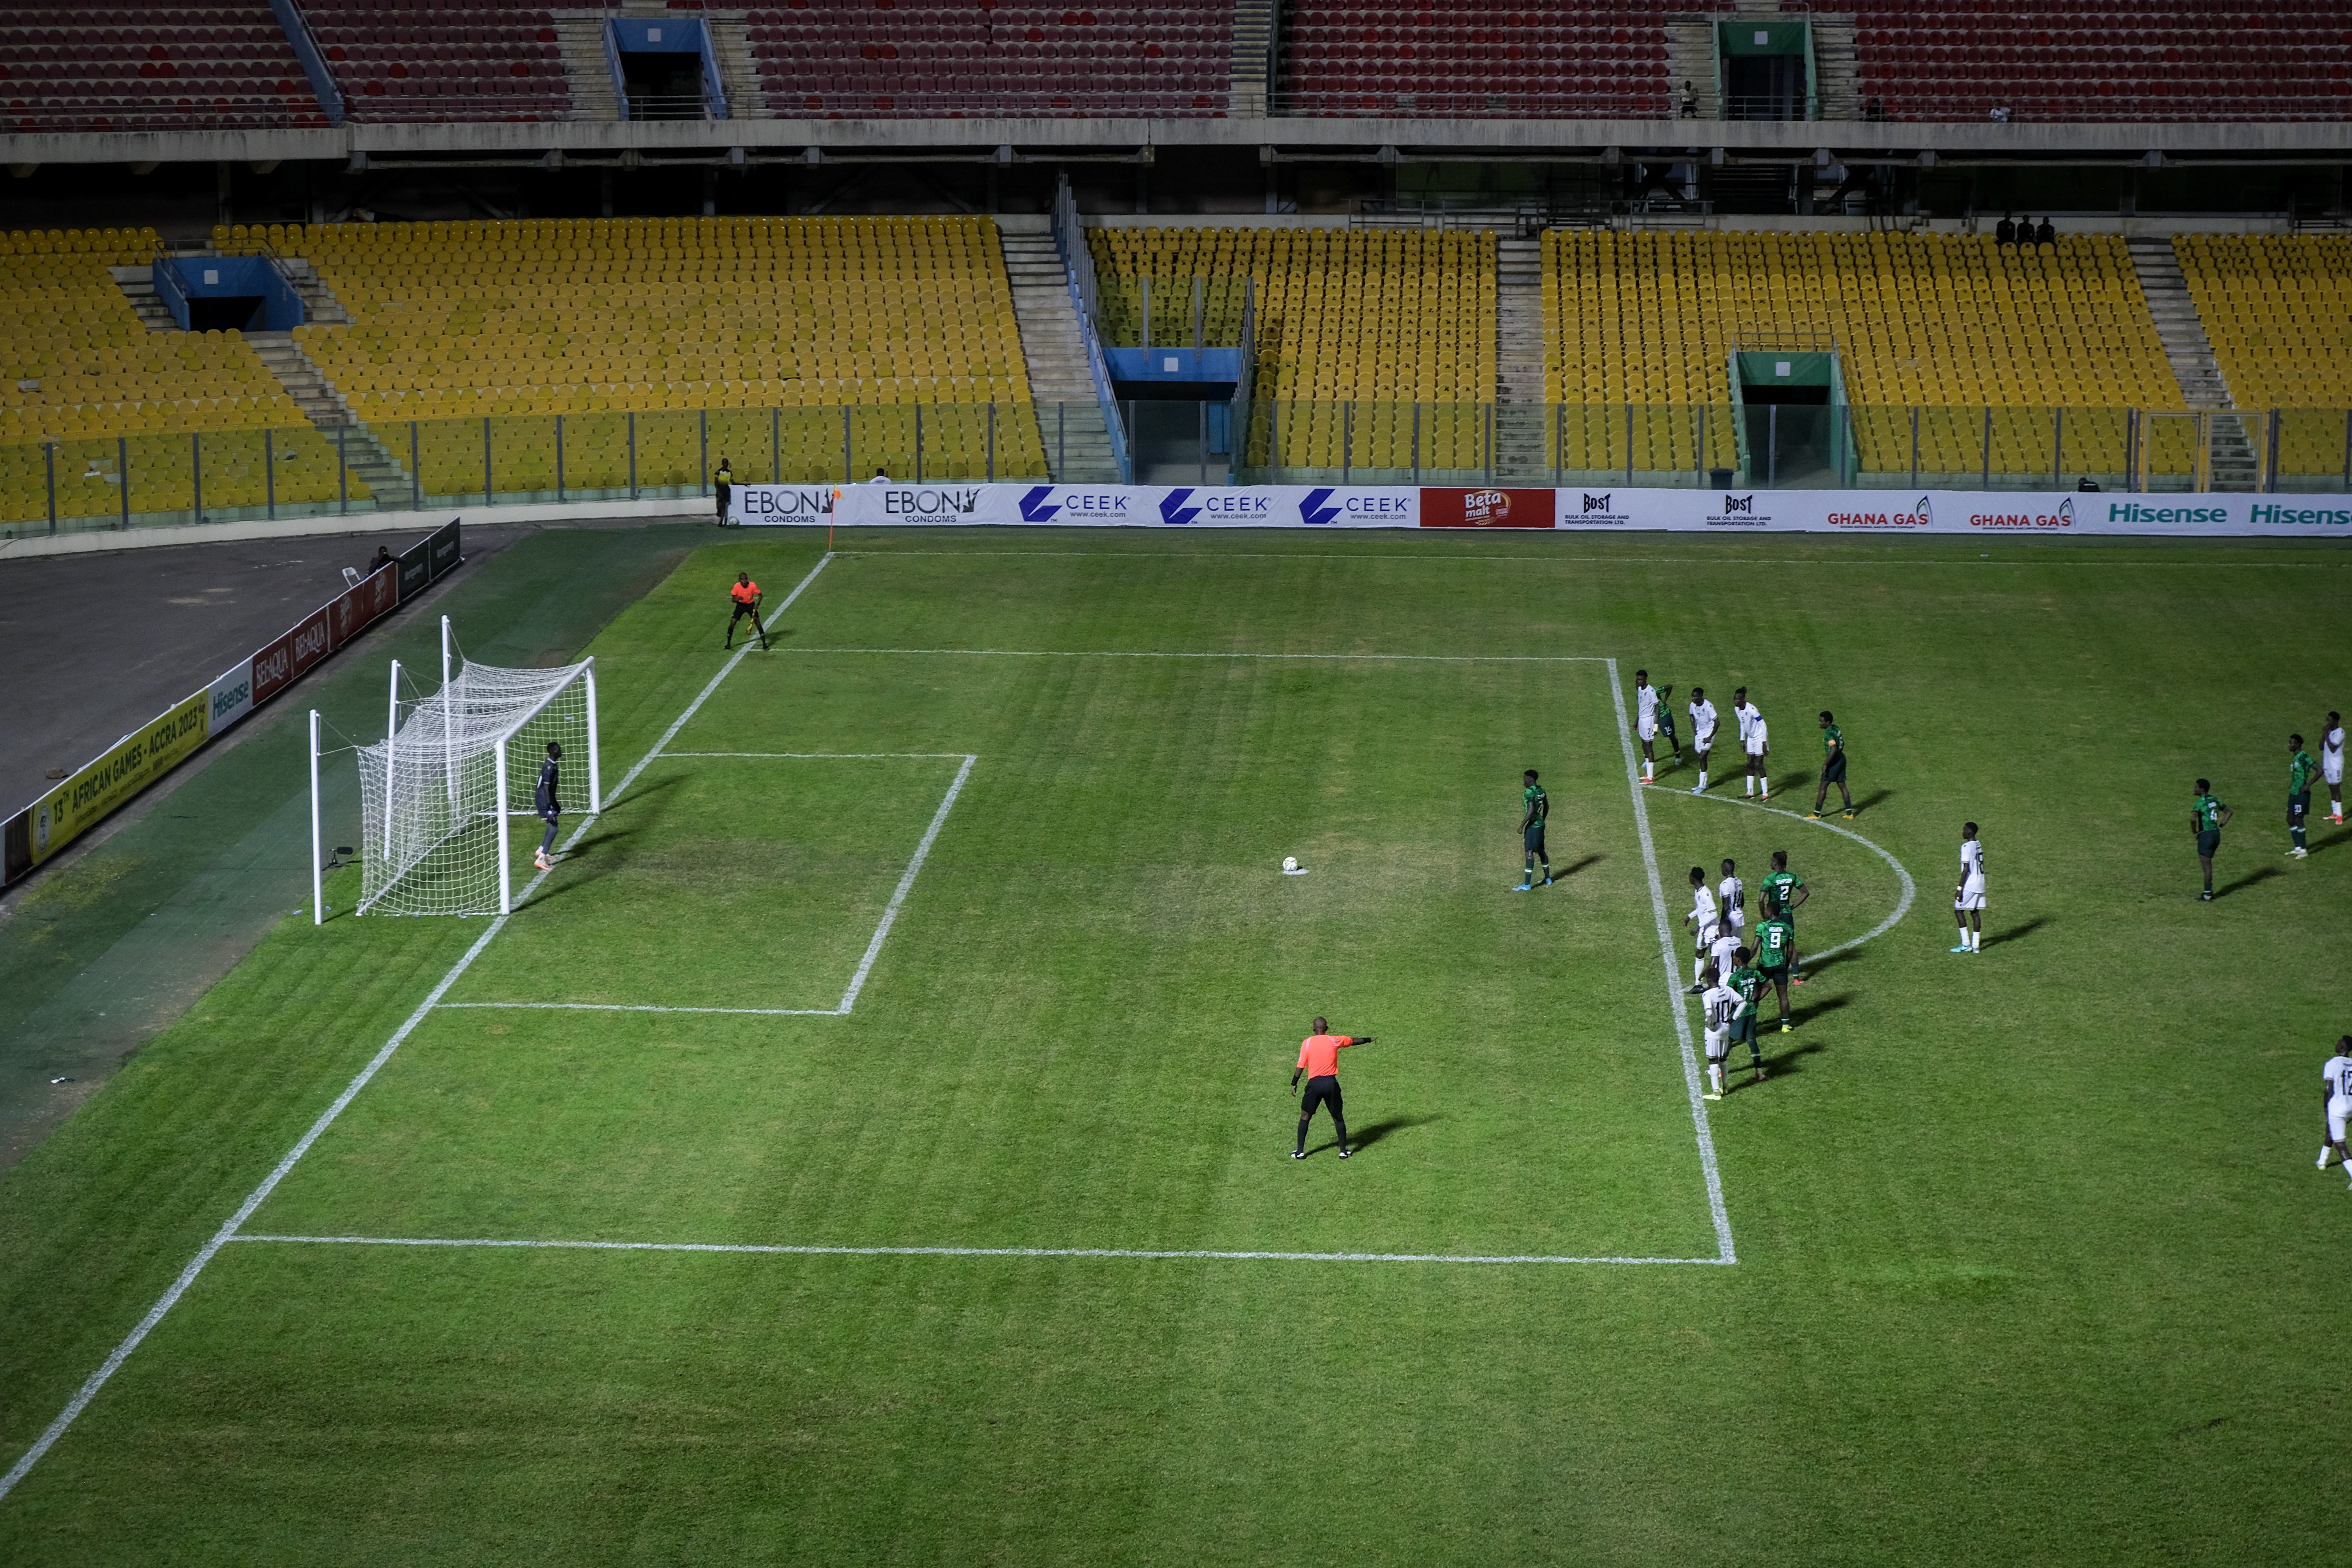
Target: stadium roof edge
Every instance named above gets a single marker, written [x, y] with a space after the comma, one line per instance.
[1135, 139]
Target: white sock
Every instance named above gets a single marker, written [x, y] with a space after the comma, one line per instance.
[1702, 778]
[1645, 770]
[1976, 941]
[1715, 1077]
[1766, 783]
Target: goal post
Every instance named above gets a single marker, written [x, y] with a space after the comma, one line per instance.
[439, 790]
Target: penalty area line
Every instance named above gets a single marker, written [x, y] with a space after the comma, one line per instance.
[784, 1249]
[228, 1230]
[1715, 1204]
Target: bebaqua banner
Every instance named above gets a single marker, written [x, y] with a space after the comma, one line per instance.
[1973, 512]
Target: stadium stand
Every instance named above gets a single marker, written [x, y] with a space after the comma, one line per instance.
[741, 336]
[911, 59]
[146, 68]
[1384, 321]
[87, 388]
[1949, 325]
[2087, 60]
[1341, 57]
[441, 59]
[2274, 309]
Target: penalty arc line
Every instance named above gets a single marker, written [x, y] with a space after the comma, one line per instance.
[228, 1232]
[1902, 905]
[1673, 982]
[844, 1251]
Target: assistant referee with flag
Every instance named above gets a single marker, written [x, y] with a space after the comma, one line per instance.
[745, 595]
[1318, 1059]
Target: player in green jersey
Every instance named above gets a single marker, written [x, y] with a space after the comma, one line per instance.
[2207, 817]
[1779, 896]
[2301, 769]
[1833, 767]
[1775, 944]
[1531, 832]
[1747, 982]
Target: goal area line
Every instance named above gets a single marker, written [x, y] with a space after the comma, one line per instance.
[881, 930]
[788, 1249]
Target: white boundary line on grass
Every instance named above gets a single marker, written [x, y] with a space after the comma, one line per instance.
[1328, 657]
[873, 948]
[955, 1251]
[1724, 1253]
[228, 1232]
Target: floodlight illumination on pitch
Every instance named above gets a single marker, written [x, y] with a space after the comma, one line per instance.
[438, 793]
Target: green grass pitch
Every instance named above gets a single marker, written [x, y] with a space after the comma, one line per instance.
[913, 1110]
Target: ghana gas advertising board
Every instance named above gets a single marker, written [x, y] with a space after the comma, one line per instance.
[1594, 509]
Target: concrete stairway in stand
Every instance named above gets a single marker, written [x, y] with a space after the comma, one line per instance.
[1690, 58]
[1521, 411]
[1253, 24]
[363, 455]
[1069, 413]
[2182, 333]
[739, 77]
[588, 72]
[1837, 74]
[138, 284]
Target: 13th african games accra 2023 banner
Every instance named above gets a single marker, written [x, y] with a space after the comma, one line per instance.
[1973, 512]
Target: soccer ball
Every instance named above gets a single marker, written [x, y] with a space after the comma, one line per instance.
[1290, 862]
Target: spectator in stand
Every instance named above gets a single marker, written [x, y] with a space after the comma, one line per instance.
[1690, 100]
[2005, 232]
[2087, 483]
[1874, 109]
[1999, 114]
[2045, 235]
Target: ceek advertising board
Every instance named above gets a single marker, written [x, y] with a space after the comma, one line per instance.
[1971, 513]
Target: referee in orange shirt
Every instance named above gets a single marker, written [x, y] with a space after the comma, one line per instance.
[1318, 1058]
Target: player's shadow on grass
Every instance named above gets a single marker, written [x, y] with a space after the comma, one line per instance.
[2259, 874]
[1571, 871]
[1781, 1064]
[1367, 1136]
[2018, 932]
[1809, 1010]
[1865, 801]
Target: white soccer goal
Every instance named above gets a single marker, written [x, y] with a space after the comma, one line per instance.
[437, 794]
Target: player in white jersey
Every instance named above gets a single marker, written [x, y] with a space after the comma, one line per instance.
[1646, 722]
[1647, 706]
[2331, 765]
[1720, 1004]
[1725, 954]
[1702, 714]
[1967, 899]
[1752, 742]
[1732, 894]
[1704, 923]
[2337, 1076]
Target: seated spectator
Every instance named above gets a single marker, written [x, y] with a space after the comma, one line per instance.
[1690, 100]
[2005, 232]
[2045, 235]
[2000, 114]
[2087, 483]
[1874, 109]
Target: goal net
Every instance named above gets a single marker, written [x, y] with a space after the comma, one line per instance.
[439, 795]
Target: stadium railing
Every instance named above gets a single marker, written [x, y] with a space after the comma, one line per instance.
[1796, 447]
[69, 486]
[81, 485]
